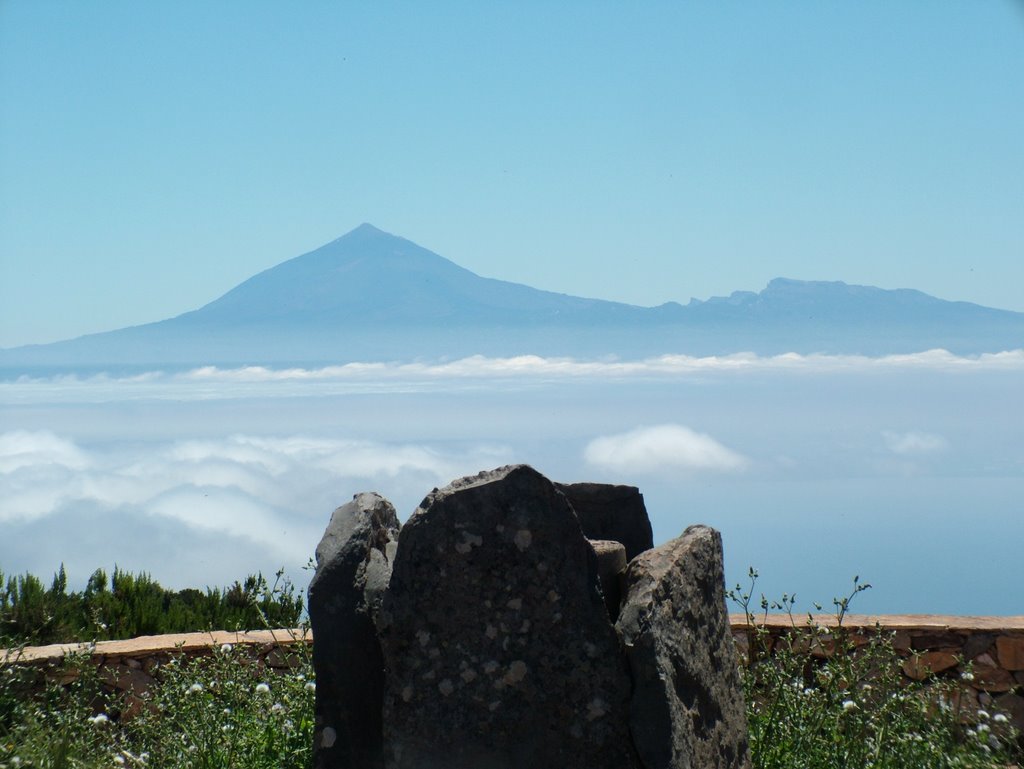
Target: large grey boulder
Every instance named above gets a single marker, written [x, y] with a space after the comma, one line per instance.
[611, 512]
[353, 568]
[498, 648]
[687, 707]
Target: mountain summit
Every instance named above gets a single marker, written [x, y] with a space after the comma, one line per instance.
[373, 296]
[371, 277]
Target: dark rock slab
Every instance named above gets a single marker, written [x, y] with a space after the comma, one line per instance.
[687, 707]
[611, 512]
[353, 568]
[498, 648]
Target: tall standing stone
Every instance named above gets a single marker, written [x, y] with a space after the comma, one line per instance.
[611, 512]
[353, 568]
[498, 648]
[687, 707]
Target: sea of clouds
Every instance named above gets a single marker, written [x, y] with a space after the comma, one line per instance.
[905, 469]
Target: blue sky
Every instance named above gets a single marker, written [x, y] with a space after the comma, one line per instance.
[156, 154]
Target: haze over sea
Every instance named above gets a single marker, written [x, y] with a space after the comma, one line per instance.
[905, 470]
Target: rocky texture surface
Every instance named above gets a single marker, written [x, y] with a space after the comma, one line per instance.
[353, 568]
[611, 512]
[687, 708]
[498, 647]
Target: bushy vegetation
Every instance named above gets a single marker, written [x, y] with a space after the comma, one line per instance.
[127, 605]
[822, 698]
[816, 699]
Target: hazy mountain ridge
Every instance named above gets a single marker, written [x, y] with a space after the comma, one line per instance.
[369, 295]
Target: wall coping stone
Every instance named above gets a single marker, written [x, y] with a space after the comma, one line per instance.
[963, 623]
[144, 646]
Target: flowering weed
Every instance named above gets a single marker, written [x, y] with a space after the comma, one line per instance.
[224, 710]
[820, 698]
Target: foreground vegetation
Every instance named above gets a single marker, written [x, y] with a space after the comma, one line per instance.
[222, 711]
[820, 698]
[845, 708]
[128, 605]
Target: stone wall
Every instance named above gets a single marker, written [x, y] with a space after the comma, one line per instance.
[985, 653]
[129, 666]
[930, 645]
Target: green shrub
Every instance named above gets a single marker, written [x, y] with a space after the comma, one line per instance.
[126, 605]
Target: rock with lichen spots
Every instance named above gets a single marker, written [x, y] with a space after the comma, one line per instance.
[521, 666]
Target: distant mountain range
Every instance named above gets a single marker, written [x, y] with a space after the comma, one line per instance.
[372, 296]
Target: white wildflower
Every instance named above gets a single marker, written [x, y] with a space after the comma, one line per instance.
[99, 719]
[225, 648]
[195, 688]
[849, 705]
[262, 688]
[999, 718]
[310, 686]
[967, 675]
[277, 707]
[983, 715]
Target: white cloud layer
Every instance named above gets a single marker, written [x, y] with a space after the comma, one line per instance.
[23, 448]
[211, 382]
[245, 487]
[914, 443]
[661, 448]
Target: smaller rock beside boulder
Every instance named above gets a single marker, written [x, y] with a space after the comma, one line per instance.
[353, 568]
[687, 706]
[611, 567]
[607, 511]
